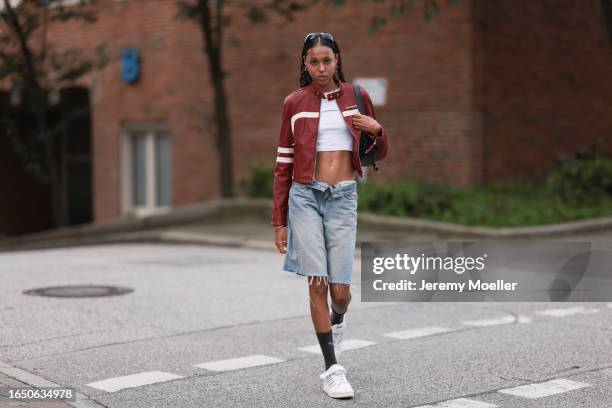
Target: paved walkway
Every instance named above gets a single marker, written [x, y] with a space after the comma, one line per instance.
[6, 381]
[256, 230]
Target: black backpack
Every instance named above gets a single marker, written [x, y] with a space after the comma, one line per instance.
[368, 150]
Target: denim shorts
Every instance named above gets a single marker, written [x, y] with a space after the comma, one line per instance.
[321, 230]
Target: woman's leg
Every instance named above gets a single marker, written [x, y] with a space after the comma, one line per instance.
[319, 311]
[340, 299]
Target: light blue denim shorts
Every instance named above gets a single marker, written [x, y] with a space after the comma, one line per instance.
[321, 230]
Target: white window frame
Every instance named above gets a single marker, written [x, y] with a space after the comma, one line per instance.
[127, 209]
[68, 3]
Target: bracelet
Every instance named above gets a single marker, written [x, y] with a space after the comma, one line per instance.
[278, 226]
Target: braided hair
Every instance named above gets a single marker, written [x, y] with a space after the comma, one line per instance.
[305, 78]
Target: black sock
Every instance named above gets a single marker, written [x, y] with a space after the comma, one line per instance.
[336, 318]
[326, 341]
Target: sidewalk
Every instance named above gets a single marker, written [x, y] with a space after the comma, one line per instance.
[15, 377]
[246, 223]
[255, 233]
[6, 381]
[251, 231]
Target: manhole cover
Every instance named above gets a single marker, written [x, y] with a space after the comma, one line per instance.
[78, 291]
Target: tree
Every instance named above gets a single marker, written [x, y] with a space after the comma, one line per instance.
[35, 70]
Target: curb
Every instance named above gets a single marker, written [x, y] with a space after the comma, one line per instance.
[25, 377]
[444, 228]
[130, 229]
[151, 228]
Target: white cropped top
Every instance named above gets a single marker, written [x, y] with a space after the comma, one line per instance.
[334, 134]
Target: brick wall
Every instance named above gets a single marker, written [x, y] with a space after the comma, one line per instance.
[546, 83]
[173, 89]
[434, 131]
[486, 90]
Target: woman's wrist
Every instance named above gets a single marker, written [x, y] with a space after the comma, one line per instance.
[278, 227]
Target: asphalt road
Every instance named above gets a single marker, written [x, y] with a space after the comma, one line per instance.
[216, 327]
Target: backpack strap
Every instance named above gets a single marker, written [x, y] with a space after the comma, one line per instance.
[359, 99]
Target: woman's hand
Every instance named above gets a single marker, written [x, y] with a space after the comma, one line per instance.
[280, 239]
[366, 124]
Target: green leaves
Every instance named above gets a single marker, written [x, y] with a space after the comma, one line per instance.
[187, 10]
[579, 187]
[377, 24]
[582, 178]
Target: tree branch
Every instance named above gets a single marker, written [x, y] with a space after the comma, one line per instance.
[13, 22]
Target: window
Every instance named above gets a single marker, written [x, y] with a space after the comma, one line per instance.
[147, 178]
[66, 3]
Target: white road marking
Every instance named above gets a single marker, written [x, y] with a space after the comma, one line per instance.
[239, 363]
[490, 322]
[349, 344]
[418, 332]
[133, 380]
[524, 319]
[460, 403]
[567, 311]
[544, 389]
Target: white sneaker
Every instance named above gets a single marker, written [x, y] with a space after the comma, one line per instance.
[335, 383]
[338, 335]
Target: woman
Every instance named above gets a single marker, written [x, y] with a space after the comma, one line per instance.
[315, 192]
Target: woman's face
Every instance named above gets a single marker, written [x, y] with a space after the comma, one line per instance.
[321, 64]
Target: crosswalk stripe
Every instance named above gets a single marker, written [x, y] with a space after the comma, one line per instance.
[567, 311]
[349, 344]
[544, 389]
[133, 380]
[239, 363]
[460, 403]
[490, 322]
[418, 332]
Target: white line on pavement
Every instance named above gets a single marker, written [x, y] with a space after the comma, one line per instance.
[567, 311]
[133, 380]
[544, 389]
[418, 332]
[490, 322]
[349, 344]
[460, 403]
[239, 363]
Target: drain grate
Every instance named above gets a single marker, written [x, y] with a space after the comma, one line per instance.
[78, 291]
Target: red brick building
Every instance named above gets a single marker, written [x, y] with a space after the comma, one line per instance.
[487, 90]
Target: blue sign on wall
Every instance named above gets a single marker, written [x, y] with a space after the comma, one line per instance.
[130, 64]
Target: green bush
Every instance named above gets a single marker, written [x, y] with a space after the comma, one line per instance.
[406, 198]
[260, 180]
[584, 177]
[579, 187]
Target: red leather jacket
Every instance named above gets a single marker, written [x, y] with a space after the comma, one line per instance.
[297, 144]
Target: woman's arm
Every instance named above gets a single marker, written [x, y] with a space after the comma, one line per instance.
[283, 169]
[381, 135]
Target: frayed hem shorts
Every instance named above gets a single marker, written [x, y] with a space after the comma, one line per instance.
[321, 230]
